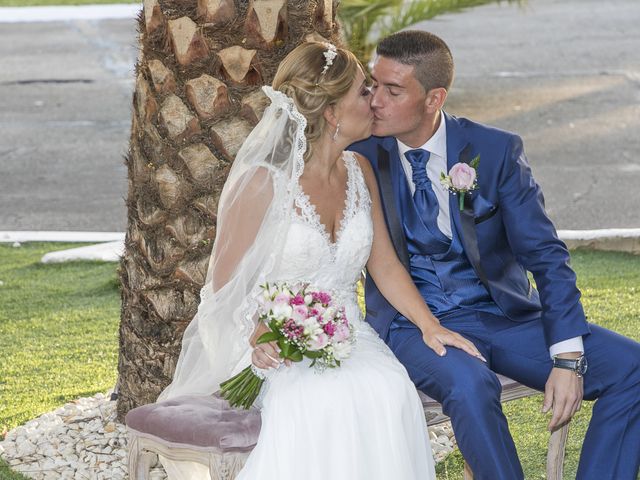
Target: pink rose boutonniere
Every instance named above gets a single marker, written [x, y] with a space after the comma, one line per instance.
[462, 178]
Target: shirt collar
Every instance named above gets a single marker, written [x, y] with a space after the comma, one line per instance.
[437, 143]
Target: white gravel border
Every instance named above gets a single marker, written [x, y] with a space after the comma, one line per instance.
[82, 440]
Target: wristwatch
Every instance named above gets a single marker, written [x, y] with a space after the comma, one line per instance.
[577, 365]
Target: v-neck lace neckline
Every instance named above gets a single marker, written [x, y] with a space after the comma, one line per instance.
[309, 212]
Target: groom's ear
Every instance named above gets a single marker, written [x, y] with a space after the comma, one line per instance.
[435, 99]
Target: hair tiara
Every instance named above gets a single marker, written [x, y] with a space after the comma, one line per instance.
[330, 53]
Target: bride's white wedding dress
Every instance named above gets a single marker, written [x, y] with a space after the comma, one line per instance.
[363, 420]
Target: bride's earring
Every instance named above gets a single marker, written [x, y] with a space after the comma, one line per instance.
[335, 135]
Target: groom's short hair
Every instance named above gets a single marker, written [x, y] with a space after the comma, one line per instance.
[427, 53]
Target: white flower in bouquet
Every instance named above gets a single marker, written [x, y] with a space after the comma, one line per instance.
[328, 314]
[311, 326]
[342, 350]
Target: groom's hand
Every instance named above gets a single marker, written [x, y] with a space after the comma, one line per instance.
[562, 393]
[436, 337]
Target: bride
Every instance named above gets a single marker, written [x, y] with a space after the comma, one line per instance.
[297, 207]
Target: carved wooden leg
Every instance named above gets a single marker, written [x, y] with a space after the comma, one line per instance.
[468, 474]
[555, 453]
[226, 466]
[133, 457]
[139, 461]
[217, 468]
[145, 462]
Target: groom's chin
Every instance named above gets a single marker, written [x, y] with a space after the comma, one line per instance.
[379, 130]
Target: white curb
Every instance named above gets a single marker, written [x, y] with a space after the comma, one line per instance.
[35, 236]
[102, 252]
[66, 13]
[612, 239]
[112, 246]
[598, 234]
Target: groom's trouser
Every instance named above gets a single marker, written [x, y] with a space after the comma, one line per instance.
[469, 391]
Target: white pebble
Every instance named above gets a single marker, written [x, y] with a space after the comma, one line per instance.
[26, 448]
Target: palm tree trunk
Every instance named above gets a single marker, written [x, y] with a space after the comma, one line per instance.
[197, 95]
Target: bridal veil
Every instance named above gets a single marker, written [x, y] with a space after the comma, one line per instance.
[254, 214]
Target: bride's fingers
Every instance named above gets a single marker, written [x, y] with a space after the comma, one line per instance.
[257, 361]
[263, 360]
[462, 343]
[471, 349]
[272, 350]
[436, 345]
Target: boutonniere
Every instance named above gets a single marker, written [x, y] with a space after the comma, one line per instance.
[462, 178]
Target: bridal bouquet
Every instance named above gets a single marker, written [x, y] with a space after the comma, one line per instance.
[304, 322]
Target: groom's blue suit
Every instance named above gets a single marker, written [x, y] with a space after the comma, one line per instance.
[476, 283]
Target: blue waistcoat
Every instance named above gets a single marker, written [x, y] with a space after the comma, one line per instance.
[439, 267]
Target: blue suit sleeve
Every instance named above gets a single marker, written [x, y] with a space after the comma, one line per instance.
[535, 242]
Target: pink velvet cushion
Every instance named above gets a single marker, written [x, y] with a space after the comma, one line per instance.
[206, 422]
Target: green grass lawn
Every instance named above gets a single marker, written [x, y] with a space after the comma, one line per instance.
[32, 3]
[58, 332]
[58, 340]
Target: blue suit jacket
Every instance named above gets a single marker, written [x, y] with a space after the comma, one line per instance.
[504, 230]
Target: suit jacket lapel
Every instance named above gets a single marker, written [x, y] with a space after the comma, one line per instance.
[459, 150]
[387, 169]
[456, 144]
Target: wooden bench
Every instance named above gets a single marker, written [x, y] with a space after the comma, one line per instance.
[206, 430]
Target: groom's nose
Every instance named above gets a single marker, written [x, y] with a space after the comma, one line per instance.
[376, 98]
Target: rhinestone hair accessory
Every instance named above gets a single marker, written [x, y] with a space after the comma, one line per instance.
[329, 54]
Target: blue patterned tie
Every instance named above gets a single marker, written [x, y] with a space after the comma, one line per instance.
[422, 211]
[424, 197]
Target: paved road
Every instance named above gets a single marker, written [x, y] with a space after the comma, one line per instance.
[565, 74]
[65, 94]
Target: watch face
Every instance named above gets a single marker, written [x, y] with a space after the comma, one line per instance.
[581, 365]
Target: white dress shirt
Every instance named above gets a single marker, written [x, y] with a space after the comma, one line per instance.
[437, 147]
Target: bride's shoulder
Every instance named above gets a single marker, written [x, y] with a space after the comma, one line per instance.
[364, 164]
[367, 172]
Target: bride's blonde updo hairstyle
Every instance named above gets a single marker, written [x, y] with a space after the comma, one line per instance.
[301, 77]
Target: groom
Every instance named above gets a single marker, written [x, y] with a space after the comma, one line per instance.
[470, 263]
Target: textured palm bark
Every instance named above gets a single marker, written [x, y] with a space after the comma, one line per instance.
[197, 95]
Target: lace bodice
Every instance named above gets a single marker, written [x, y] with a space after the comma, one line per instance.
[311, 256]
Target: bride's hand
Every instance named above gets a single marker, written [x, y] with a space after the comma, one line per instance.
[436, 337]
[265, 355]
